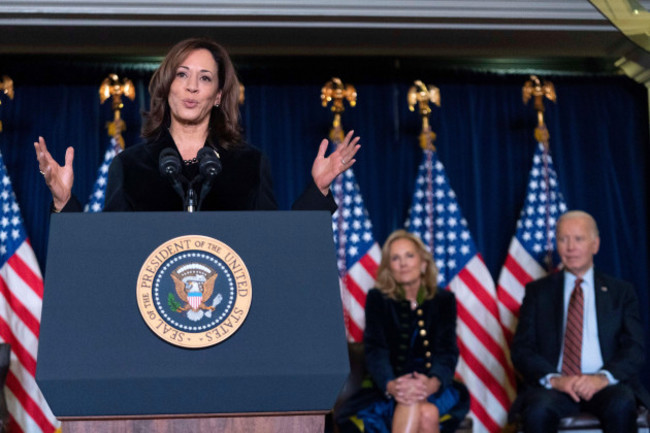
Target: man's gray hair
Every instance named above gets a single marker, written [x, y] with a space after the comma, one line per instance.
[579, 214]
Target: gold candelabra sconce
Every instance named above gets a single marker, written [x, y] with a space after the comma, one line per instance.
[113, 87]
[336, 92]
[7, 87]
[535, 88]
[422, 95]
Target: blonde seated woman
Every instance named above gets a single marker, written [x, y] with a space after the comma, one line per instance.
[410, 348]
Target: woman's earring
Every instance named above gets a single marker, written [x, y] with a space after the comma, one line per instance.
[216, 105]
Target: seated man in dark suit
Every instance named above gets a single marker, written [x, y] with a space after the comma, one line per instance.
[579, 342]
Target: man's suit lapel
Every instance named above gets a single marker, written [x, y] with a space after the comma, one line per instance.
[601, 294]
[556, 309]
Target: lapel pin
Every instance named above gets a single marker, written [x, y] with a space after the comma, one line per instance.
[603, 288]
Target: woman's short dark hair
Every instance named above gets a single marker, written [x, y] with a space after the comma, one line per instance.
[224, 121]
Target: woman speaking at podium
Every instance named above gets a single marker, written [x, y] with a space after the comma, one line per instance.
[194, 155]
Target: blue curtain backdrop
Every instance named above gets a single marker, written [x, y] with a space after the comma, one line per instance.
[599, 142]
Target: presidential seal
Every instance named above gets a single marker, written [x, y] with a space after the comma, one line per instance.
[194, 291]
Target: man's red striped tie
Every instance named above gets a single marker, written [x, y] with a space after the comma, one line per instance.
[572, 355]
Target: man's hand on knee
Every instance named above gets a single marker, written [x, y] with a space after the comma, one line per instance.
[566, 384]
[589, 384]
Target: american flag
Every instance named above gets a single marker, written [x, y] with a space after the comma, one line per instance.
[97, 197]
[21, 298]
[484, 365]
[358, 255]
[532, 250]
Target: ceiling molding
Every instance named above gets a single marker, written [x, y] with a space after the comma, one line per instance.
[486, 9]
[420, 28]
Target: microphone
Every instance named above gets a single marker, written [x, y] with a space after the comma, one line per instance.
[169, 165]
[209, 163]
[209, 168]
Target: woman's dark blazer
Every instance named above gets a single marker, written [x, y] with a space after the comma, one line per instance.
[135, 183]
[382, 339]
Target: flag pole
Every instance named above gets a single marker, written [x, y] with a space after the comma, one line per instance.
[535, 88]
[20, 275]
[435, 216]
[335, 92]
[7, 87]
[114, 88]
[422, 95]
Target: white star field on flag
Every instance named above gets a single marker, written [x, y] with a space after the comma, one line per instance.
[531, 253]
[12, 233]
[452, 243]
[357, 235]
[358, 254]
[543, 206]
[97, 197]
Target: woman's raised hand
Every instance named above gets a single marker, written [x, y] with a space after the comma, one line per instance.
[325, 169]
[57, 178]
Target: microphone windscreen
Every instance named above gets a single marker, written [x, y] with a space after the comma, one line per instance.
[169, 163]
[209, 162]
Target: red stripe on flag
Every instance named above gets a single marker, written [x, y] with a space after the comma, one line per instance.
[486, 379]
[369, 264]
[484, 375]
[354, 290]
[511, 305]
[13, 426]
[479, 412]
[19, 309]
[355, 333]
[26, 274]
[517, 271]
[508, 301]
[24, 357]
[508, 334]
[486, 339]
[28, 403]
[477, 288]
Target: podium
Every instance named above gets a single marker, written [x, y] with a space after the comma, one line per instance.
[102, 367]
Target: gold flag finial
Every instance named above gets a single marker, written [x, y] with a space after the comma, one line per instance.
[335, 92]
[113, 87]
[535, 88]
[7, 87]
[422, 95]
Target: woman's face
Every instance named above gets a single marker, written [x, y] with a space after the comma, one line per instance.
[406, 265]
[195, 89]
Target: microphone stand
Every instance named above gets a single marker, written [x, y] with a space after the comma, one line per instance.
[169, 165]
[190, 201]
[209, 168]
